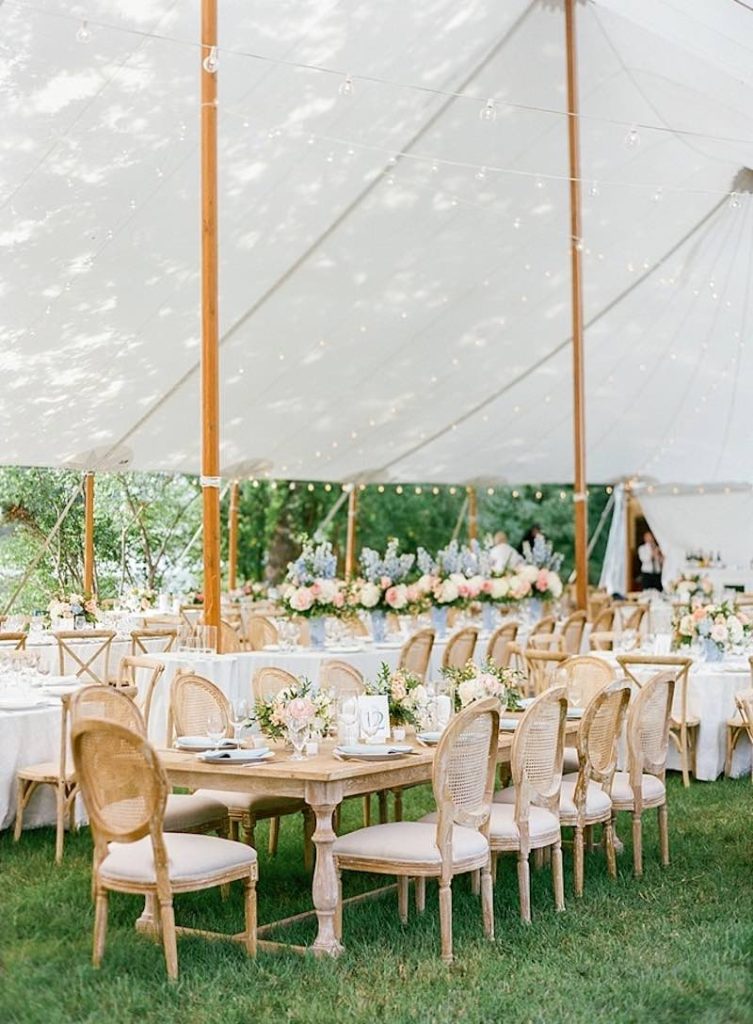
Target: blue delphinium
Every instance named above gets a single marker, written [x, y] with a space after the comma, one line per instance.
[393, 565]
[542, 554]
[315, 562]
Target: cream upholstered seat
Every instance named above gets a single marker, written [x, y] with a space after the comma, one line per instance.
[184, 812]
[584, 804]
[125, 790]
[642, 786]
[463, 781]
[683, 726]
[536, 769]
[192, 700]
[416, 652]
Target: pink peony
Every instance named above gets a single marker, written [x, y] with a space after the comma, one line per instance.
[339, 599]
[301, 709]
[385, 582]
[396, 597]
[542, 581]
[302, 599]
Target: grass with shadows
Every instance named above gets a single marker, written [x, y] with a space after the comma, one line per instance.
[675, 946]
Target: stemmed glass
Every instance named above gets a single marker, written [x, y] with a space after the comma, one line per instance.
[298, 729]
[238, 721]
[348, 718]
[215, 729]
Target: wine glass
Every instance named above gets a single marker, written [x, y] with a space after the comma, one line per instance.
[215, 728]
[238, 721]
[298, 729]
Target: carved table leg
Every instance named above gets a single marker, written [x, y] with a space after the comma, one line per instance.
[323, 798]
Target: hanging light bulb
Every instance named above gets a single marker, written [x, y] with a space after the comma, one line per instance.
[210, 62]
[84, 33]
[658, 195]
[346, 86]
[594, 189]
[734, 201]
[632, 139]
[539, 183]
[435, 168]
[481, 174]
[577, 243]
[489, 111]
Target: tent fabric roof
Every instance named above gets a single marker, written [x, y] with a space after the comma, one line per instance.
[395, 290]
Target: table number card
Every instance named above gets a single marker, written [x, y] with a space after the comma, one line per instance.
[374, 718]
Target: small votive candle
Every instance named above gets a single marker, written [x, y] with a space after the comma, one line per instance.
[398, 734]
[312, 747]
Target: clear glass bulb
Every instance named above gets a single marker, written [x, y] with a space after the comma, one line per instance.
[594, 189]
[481, 174]
[658, 195]
[346, 86]
[489, 111]
[84, 33]
[632, 139]
[210, 62]
[734, 201]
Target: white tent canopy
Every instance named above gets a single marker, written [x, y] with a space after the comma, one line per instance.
[394, 275]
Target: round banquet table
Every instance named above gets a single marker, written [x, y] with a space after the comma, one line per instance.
[27, 737]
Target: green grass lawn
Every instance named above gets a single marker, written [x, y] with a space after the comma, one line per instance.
[676, 946]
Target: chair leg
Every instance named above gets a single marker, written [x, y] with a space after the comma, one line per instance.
[684, 758]
[609, 848]
[100, 926]
[309, 826]
[383, 809]
[249, 885]
[495, 863]
[59, 821]
[578, 857]
[367, 810]
[398, 793]
[234, 829]
[637, 845]
[274, 836]
[339, 908]
[475, 882]
[487, 900]
[22, 796]
[249, 830]
[663, 834]
[445, 919]
[402, 897]
[169, 942]
[558, 880]
[420, 894]
[524, 888]
[733, 736]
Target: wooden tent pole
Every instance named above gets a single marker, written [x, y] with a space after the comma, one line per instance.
[350, 542]
[579, 418]
[89, 533]
[472, 514]
[210, 391]
[232, 535]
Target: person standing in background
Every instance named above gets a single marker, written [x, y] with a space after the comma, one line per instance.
[503, 555]
[530, 536]
[652, 560]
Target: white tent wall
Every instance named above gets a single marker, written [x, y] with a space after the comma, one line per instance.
[394, 273]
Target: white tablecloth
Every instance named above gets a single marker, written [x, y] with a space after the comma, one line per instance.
[27, 737]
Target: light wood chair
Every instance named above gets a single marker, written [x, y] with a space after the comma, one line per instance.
[525, 816]
[585, 798]
[340, 676]
[184, 812]
[125, 790]
[542, 668]
[159, 641]
[583, 675]
[230, 641]
[634, 621]
[597, 602]
[643, 787]
[498, 647]
[545, 627]
[269, 680]
[571, 633]
[602, 640]
[192, 700]
[744, 704]
[58, 774]
[451, 841]
[151, 671]
[604, 621]
[93, 664]
[13, 641]
[415, 653]
[261, 632]
[460, 648]
[683, 727]
[736, 729]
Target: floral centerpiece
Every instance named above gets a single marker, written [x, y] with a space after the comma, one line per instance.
[473, 683]
[537, 578]
[405, 691]
[140, 599]
[450, 580]
[74, 606]
[311, 588]
[314, 708]
[382, 586]
[692, 588]
[718, 627]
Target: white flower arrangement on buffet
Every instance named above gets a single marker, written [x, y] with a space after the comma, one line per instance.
[316, 709]
[692, 588]
[718, 624]
[405, 691]
[472, 683]
[311, 587]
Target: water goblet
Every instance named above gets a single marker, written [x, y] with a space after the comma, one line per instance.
[215, 728]
[238, 721]
[298, 730]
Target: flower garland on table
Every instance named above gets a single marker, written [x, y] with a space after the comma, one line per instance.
[314, 707]
[472, 683]
[720, 624]
[311, 588]
[383, 586]
[692, 588]
[405, 691]
[67, 606]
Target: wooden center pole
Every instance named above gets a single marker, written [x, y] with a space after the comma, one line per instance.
[89, 533]
[232, 536]
[472, 514]
[579, 418]
[210, 389]
[350, 541]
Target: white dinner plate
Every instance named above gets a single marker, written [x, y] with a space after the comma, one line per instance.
[508, 724]
[388, 645]
[236, 756]
[429, 738]
[374, 751]
[575, 712]
[203, 743]
[345, 648]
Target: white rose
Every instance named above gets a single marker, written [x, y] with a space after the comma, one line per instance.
[735, 629]
[469, 691]
[555, 585]
[327, 591]
[500, 588]
[369, 595]
[719, 633]
[529, 573]
[457, 578]
[447, 592]
[426, 583]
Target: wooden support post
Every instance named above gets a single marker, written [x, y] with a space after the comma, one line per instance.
[350, 541]
[232, 536]
[472, 514]
[629, 531]
[210, 390]
[576, 245]
[89, 533]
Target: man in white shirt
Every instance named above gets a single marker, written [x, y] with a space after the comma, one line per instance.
[651, 559]
[503, 555]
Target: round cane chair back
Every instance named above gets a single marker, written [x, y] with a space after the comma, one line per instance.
[543, 627]
[260, 632]
[269, 680]
[648, 727]
[598, 732]
[571, 634]
[460, 648]
[341, 676]
[107, 703]
[536, 757]
[586, 674]
[416, 652]
[192, 700]
[463, 778]
[498, 650]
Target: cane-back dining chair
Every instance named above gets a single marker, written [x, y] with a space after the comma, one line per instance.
[736, 729]
[139, 678]
[543, 669]
[744, 704]
[571, 633]
[125, 790]
[460, 648]
[498, 647]
[261, 632]
[416, 652]
[451, 841]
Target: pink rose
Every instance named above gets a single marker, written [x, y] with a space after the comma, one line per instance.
[542, 580]
[413, 593]
[486, 587]
[396, 597]
[699, 613]
[339, 599]
[302, 599]
[315, 588]
[385, 582]
[301, 709]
